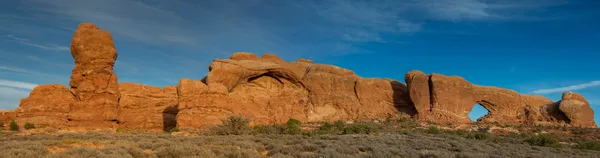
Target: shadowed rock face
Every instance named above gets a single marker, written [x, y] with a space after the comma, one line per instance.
[270, 90]
[449, 99]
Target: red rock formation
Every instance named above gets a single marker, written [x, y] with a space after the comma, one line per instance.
[46, 105]
[451, 98]
[272, 91]
[146, 107]
[577, 110]
[418, 89]
[6, 117]
[93, 81]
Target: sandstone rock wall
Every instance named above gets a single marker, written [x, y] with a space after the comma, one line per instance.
[270, 90]
[449, 99]
[47, 105]
[147, 107]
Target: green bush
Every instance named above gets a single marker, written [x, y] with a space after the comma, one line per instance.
[174, 130]
[293, 126]
[433, 130]
[361, 128]
[234, 125]
[542, 140]
[28, 126]
[407, 123]
[339, 124]
[14, 126]
[589, 145]
[268, 129]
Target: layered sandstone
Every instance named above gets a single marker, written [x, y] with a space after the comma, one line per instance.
[93, 81]
[46, 105]
[449, 99]
[147, 107]
[271, 90]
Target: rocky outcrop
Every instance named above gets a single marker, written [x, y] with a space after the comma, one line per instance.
[93, 81]
[577, 110]
[5, 117]
[270, 90]
[449, 99]
[147, 107]
[46, 105]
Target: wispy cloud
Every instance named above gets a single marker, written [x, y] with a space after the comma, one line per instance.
[25, 71]
[9, 97]
[17, 84]
[51, 47]
[568, 88]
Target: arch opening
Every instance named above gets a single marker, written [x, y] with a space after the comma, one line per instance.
[477, 112]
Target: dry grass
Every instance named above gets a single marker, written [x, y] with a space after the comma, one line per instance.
[411, 144]
[399, 138]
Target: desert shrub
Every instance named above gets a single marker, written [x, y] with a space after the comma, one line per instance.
[268, 129]
[183, 150]
[589, 145]
[14, 126]
[542, 140]
[361, 128]
[327, 128]
[460, 132]
[433, 130]
[174, 130]
[433, 154]
[10, 149]
[478, 135]
[339, 124]
[234, 125]
[293, 126]
[80, 152]
[28, 126]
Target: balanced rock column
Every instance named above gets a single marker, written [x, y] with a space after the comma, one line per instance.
[93, 81]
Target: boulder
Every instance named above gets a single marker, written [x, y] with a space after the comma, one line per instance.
[577, 109]
[93, 81]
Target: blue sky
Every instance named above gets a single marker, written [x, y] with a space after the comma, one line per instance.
[532, 46]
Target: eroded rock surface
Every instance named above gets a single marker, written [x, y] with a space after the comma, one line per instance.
[146, 107]
[93, 81]
[451, 98]
[577, 109]
[271, 90]
[47, 105]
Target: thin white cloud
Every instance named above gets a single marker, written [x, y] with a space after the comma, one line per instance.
[17, 84]
[568, 88]
[10, 97]
[25, 71]
[51, 47]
